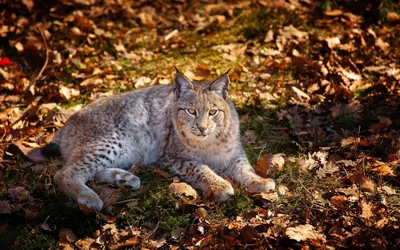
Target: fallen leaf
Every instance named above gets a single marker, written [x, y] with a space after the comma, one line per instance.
[307, 163]
[350, 191]
[184, 191]
[66, 235]
[220, 19]
[338, 201]
[335, 12]
[5, 207]
[332, 42]
[366, 210]
[147, 20]
[86, 244]
[107, 194]
[384, 46]
[328, 169]
[388, 190]
[393, 17]
[69, 93]
[202, 72]
[303, 233]
[162, 173]
[383, 170]
[368, 185]
[267, 162]
[270, 196]
[283, 190]
[18, 193]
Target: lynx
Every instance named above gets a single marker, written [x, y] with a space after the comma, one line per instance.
[191, 127]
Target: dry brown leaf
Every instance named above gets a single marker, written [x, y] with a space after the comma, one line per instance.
[335, 12]
[381, 223]
[147, 20]
[368, 185]
[307, 164]
[350, 191]
[18, 193]
[67, 235]
[389, 190]
[29, 4]
[366, 210]
[202, 72]
[300, 93]
[5, 207]
[383, 124]
[220, 19]
[92, 82]
[328, 169]
[338, 201]
[283, 190]
[235, 225]
[270, 196]
[265, 163]
[184, 191]
[304, 232]
[383, 170]
[332, 42]
[393, 17]
[69, 93]
[107, 194]
[162, 173]
[86, 244]
[384, 46]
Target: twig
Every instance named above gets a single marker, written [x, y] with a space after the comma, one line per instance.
[125, 201]
[47, 55]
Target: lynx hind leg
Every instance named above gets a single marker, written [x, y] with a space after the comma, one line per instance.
[118, 177]
[74, 185]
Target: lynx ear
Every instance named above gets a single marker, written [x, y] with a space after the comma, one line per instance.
[182, 84]
[221, 85]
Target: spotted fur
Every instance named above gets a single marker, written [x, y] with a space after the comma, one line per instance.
[191, 127]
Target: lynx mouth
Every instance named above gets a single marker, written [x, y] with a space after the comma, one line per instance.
[201, 136]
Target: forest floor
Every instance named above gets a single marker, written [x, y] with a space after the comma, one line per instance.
[316, 85]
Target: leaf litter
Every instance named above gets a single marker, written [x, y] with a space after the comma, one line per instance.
[317, 90]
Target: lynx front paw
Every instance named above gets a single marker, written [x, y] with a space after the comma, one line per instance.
[261, 185]
[128, 181]
[91, 202]
[222, 191]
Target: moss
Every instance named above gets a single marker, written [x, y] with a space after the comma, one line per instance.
[30, 239]
[237, 204]
[71, 103]
[328, 184]
[157, 208]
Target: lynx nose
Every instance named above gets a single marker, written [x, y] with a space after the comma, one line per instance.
[202, 129]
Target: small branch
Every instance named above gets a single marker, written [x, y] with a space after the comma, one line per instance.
[47, 56]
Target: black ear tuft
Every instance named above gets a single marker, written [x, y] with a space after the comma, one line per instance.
[221, 85]
[182, 84]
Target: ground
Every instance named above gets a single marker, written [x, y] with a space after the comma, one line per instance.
[316, 85]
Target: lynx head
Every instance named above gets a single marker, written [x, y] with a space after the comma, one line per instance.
[200, 111]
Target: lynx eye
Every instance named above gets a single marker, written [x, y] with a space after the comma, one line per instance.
[191, 111]
[213, 112]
